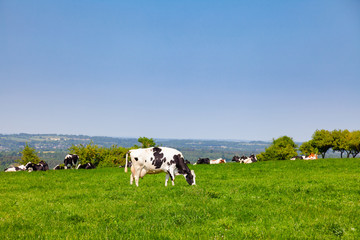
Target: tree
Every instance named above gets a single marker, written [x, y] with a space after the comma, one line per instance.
[146, 142]
[307, 148]
[340, 141]
[322, 140]
[29, 155]
[354, 143]
[281, 149]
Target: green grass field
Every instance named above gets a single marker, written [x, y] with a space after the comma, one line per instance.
[265, 200]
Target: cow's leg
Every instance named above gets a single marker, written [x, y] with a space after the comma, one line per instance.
[172, 176]
[132, 175]
[131, 179]
[167, 179]
[137, 172]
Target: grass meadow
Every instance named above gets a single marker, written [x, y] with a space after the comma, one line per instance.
[265, 200]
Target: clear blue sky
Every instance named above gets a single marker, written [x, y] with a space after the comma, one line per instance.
[252, 70]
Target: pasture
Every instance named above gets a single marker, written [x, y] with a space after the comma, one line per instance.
[264, 200]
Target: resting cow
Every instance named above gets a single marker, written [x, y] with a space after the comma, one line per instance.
[158, 159]
[59, 167]
[86, 166]
[41, 166]
[217, 161]
[70, 159]
[15, 169]
[203, 161]
[239, 159]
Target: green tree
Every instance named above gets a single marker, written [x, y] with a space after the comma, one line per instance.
[28, 154]
[322, 140]
[281, 149]
[307, 148]
[99, 156]
[354, 143]
[340, 141]
[146, 142]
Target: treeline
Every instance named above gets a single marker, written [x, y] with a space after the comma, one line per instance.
[97, 155]
[342, 141]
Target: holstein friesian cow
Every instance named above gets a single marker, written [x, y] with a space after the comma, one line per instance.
[252, 158]
[59, 167]
[158, 159]
[203, 161]
[239, 159]
[86, 166]
[129, 164]
[15, 169]
[70, 159]
[41, 166]
[218, 161]
[297, 157]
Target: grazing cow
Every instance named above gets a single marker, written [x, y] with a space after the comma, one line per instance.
[312, 156]
[158, 159]
[86, 166]
[70, 159]
[41, 166]
[217, 161]
[187, 161]
[203, 161]
[297, 157]
[59, 167]
[15, 169]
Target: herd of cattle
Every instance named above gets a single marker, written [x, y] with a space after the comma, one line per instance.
[148, 161]
[69, 162]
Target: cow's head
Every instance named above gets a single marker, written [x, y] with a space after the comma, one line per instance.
[190, 177]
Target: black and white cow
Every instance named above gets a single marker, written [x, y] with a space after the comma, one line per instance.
[15, 169]
[203, 161]
[158, 159]
[86, 166]
[239, 159]
[129, 164]
[41, 166]
[252, 158]
[59, 167]
[297, 157]
[71, 159]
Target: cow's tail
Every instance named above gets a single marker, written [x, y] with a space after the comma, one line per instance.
[126, 162]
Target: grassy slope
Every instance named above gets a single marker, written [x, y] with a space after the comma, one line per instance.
[283, 199]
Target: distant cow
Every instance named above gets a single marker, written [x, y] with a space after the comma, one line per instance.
[158, 159]
[41, 166]
[312, 156]
[239, 159]
[86, 166]
[297, 157]
[218, 161]
[71, 159]
[15, 169]
[129, 164]
[59, 167]
[203, 161]
[252, 158]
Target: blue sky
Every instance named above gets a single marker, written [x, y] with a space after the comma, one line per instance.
[248, 70]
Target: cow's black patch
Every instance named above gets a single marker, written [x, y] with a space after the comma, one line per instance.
[159, 160]
[180, 164]
[183, 169]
